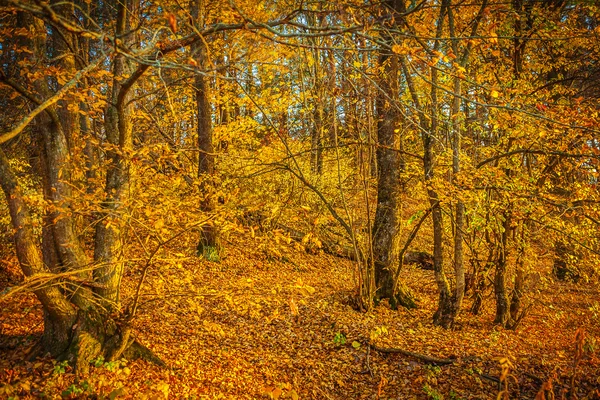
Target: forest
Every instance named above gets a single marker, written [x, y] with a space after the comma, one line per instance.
[300, 199]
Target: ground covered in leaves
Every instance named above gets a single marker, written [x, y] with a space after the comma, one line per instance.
[263, 324]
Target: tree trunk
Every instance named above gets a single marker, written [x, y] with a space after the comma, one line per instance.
[318, 129]
[386, 225]
[59, 313]
[208, 244]
[500, 290]
[75, 327]
[444, 315]
[108, 241]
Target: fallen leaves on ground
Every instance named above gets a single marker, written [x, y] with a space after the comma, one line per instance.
[254, 326]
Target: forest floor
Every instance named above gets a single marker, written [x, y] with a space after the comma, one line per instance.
[258, 326]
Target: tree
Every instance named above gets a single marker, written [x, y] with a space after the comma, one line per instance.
[386, 226]
[84, 317]
[208, 244]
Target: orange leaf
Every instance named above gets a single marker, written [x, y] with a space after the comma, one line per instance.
[172, 22]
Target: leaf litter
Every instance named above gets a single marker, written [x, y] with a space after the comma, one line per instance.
[262, 326]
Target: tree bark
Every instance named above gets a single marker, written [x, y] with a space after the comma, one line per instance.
[500, 290]
[59, 313]
[386, 246]
[108, 241]
[75, 328]
[208, 244]
[444, 315]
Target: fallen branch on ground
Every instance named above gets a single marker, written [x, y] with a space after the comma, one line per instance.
[425, 358]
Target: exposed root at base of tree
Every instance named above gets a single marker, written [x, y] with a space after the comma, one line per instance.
[138, 351]
[87, 348]
[96, 336]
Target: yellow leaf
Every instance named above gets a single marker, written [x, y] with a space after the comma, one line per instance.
[397, 49]
[494, 93]
[268, 390]
[293, 307]
[276, 393]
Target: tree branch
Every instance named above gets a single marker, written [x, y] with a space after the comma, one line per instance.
[47, 103]
[534, 151]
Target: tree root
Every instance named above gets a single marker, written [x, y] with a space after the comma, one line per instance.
[97, 336]
[138, 351]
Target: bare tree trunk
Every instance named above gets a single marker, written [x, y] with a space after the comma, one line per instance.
[317, 135]
[456, 123]
[59, 314]
[517, 311]
[444, 315]
[75, 327]
[60, 240]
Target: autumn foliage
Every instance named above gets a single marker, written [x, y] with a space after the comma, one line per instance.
[285, 199]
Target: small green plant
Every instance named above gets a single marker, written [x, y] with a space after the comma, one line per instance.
[591, 345]
[210, 253]
[453, 395]
[76, 391]
[85, 385]
[97, 362]
[72, 391]
[61, 367]
[432, 393]
[433, 369]
[339, 339]
[112, 366]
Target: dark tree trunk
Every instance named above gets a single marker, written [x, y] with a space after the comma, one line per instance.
[386, 246]
[316, 139]
[500, 290]
[317, 134]
[59, 313]
[444, 315]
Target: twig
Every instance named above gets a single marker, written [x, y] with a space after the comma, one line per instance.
[367, 364]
